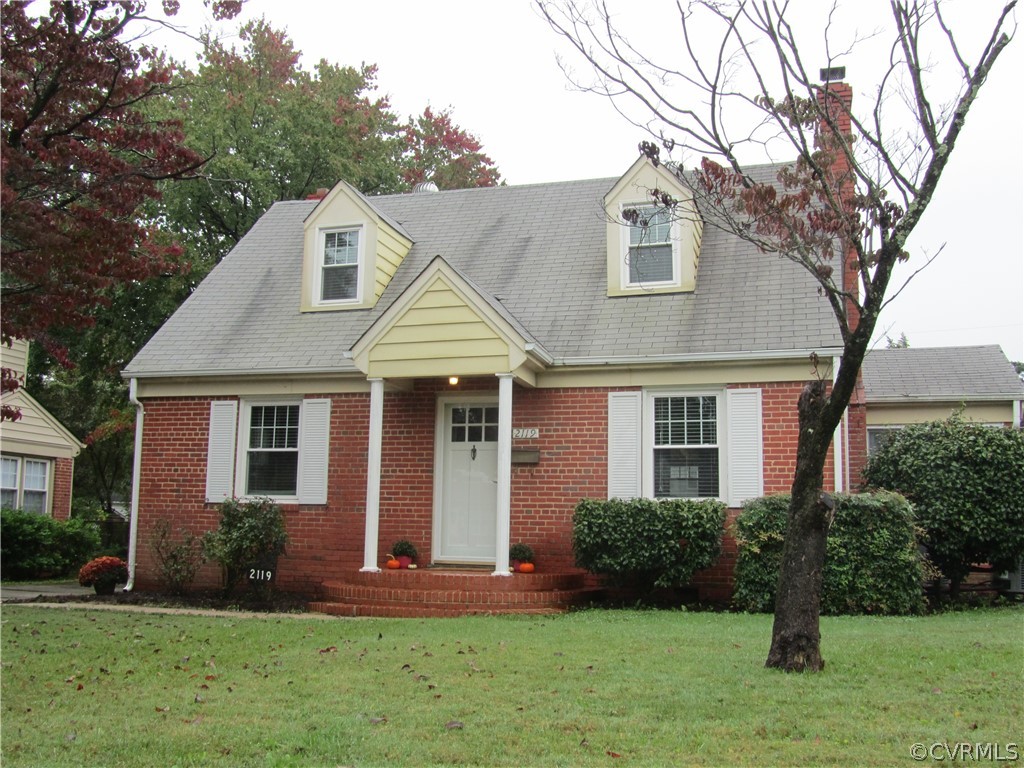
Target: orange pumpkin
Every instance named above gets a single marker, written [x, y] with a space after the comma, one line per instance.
[526, 567]
[393, 564]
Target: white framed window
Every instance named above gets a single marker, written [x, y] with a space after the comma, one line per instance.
[686, 444]
[278, 449]
[25, 484]
[652, 256]
[685, 451]
[270, 444]
[339, 265]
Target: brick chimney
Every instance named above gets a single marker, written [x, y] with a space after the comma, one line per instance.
[320, 194]
[836, 98]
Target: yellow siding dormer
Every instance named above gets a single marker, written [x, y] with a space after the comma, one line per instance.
[350, 252]
[662, 256]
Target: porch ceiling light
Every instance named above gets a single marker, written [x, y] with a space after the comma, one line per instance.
[453, 380]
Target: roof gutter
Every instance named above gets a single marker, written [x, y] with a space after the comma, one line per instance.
[701, 357]
[948, 398]
[133, 527]
[228, 372]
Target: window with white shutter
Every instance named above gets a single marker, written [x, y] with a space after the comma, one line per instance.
[273, 449]
[682, 444]
[745, 451]
[624, 444]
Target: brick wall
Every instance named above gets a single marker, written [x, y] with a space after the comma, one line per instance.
[327, 542]
[63, 474]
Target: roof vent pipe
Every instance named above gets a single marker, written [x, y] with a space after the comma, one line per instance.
[424, 186]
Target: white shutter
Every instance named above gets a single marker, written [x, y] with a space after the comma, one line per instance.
[314, 442]
[745, 453]
[220, 451]
[624, 446]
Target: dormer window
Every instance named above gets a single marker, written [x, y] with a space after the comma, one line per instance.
[651, 248]
[651, 258]
[339, 265]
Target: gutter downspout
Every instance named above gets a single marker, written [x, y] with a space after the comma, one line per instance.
[133, 526]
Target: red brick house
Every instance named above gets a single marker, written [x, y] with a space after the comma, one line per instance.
[460, 368]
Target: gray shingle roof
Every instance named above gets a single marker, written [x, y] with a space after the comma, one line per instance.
[940, 373]
[539, 250]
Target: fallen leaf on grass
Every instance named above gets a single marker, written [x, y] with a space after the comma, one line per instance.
[329, 649]
[454, 725]
[612, 754]
[163, 709]
[378, 720]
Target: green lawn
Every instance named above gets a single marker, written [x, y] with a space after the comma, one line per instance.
[86, 687]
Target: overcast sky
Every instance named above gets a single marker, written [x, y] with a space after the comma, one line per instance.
[495, 64]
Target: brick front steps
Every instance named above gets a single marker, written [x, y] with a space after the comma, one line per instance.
[447, 593]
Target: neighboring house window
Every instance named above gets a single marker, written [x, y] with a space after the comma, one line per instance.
[274, 449]
[651, 253]
[24, 484]
[339, 269]
[272, 455]
[877, 436]
[686, 445]
[686, 450]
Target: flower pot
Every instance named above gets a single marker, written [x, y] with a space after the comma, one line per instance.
[104, 587]
[404, 561]
[515, 565]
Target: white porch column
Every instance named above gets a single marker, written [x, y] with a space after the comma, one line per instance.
[504, 473]
[373, 476]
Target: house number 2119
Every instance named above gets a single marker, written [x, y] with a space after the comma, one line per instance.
[260, 574]
[526, 433]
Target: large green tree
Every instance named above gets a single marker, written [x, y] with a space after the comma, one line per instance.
[260, 128]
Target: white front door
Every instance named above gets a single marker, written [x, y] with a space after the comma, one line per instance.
[468, 497]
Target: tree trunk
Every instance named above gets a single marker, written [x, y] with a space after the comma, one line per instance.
[796, 638]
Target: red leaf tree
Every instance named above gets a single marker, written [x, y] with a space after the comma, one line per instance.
[79, 159]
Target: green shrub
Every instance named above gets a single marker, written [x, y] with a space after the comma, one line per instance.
[966, 484]
[251, 535]
[34, 545]
[646, 543]
[179, 561]
[872, 560]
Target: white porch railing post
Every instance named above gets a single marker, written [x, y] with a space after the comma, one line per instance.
[504, 473]
[373, 460]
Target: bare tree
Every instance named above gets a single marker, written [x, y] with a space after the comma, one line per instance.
[858, 186]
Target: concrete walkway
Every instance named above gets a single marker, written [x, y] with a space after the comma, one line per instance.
[25, 591]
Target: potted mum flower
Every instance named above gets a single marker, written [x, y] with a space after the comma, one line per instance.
[404, 552]
[103, 573]
[520, 557]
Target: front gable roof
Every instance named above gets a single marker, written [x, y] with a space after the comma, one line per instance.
[445, 325]
[37, 432]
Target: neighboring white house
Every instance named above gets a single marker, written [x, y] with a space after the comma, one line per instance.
[37, 453]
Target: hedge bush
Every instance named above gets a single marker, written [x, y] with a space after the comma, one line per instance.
[34, 546]
[251, 534]
[872, 559]
[966, 484]
[646, 543]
